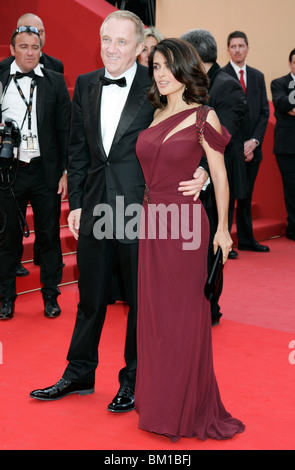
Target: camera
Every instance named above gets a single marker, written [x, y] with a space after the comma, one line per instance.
[10, 137]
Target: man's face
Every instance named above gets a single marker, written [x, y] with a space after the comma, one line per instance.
[119, 47]
[26, 51]
[238, 51]
[292, 64]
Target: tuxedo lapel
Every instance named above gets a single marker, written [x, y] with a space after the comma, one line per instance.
[5, 80]
[137, 96]
[94, 96]
[40, 100]
[289, 79]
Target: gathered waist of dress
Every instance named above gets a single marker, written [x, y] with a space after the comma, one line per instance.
[166, 196]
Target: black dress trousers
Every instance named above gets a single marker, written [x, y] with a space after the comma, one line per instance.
[95, 259]
[30, 186]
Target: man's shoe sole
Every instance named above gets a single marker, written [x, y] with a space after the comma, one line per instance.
[80, 392]
[121, 411]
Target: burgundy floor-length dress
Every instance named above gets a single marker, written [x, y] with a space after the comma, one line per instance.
[176, 391]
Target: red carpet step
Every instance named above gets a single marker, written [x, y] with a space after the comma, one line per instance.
[264, 229]
[32, 282]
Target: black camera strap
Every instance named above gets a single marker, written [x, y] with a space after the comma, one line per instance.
[29, 104]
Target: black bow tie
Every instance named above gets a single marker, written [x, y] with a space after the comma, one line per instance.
[19, 75]
[108, 81]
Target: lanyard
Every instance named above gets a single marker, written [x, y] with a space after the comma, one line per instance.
[29, 104]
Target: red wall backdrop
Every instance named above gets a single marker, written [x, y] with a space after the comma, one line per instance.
[72, 35]
[72, 30]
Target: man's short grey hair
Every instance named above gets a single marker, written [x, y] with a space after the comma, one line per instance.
[204, 43]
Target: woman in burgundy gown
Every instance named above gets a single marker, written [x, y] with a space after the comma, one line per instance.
[176, 390]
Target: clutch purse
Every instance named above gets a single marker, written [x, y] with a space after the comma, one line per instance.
[214, 277]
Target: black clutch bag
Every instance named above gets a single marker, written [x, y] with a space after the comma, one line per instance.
[214, 277]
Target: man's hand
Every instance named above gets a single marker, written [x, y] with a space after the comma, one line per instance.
[74, 222]
[249, 147]
[63, 186]
[194, 187]
[292, 112]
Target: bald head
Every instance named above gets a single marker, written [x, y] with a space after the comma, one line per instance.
[30, 19]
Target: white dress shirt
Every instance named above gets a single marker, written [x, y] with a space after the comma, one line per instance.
[113, 99]
[14, 107]
[237, 70]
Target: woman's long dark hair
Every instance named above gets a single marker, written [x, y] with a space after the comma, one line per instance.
[187, 68]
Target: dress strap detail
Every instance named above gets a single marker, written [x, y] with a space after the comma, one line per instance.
[202, 113]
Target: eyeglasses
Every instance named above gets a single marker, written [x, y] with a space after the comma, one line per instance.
[25, 29]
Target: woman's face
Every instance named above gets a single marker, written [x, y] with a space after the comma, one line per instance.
[164, 78]
[149, 44]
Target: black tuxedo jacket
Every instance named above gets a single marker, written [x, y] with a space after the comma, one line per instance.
[93, 177]
[47, 61]
[258, 106]
[53, 120]
[284, 133]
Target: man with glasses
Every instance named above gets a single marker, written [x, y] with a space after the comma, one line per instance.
[37, 99]
[46, 60]
[50, 63]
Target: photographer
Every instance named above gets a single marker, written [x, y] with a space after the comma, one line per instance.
[38, 101]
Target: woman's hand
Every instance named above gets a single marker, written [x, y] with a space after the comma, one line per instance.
[223, 239]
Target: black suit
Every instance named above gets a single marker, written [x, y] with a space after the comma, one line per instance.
[47, 61]
[284, 142]
[94, 179]
[37, 182]
[255, 128]
[229, 102]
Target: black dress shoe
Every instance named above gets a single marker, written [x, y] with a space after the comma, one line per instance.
[254, 247]
[123, 401]
[232, 254]
[51, 307]
[290, 236]
[7, 308]
[21, 271]
[61, 389]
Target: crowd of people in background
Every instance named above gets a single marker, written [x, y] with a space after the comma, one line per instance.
[61, 153]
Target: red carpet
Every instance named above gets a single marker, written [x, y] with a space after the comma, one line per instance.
[251, 348]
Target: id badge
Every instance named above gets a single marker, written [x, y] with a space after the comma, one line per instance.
[30, 142]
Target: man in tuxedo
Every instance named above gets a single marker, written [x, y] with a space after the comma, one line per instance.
[46, 61]
[229, 102]
[253, 84]
[110, 108]
[38, 101]
[283, 96]
[51, 63]
[106, 120]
